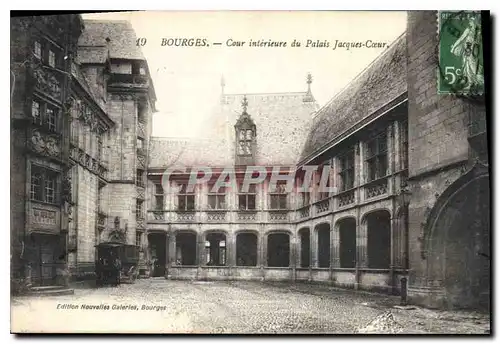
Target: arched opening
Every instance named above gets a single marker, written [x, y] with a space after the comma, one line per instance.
[323, 231]
[379, 239]
[246, 249]
[215, 249]
[347, 242]
[305, 247]
[158, 253]
[278, 250]
[185, 248]
[459, 246]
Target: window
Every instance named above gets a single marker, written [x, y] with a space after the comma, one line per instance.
[138, 209]
[217, 200]
[304, 195]
[376, 157]
[37, 50]
[247, 200]
[346, 168]
[322, 194]
[404, 145]
[185, 199]
[245, 142]
[139, 178]
[138, 239]
[52, 58]
[51, 119]
[141, 112]
[159, 196]
[142, 71]
[43, 185]
[35, 112]
[99, 148]
[279, 197]
[140, 143]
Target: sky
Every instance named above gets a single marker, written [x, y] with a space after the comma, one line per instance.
[187, 80]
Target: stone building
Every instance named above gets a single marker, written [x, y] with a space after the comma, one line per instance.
[408, 171]
[81, 108]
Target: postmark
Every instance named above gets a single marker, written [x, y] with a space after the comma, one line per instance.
[460, 53]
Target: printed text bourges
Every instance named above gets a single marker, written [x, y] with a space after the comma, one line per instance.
[112, 307]
[265, 43]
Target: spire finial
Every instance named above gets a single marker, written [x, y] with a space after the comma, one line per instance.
[309, 82]
[222, 83]
[244, 104]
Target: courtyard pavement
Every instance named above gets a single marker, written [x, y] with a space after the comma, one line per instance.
[165, 306]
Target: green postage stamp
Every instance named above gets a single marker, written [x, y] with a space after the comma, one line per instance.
[460, 53]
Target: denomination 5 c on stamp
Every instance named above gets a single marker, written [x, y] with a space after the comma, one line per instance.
[460, 53]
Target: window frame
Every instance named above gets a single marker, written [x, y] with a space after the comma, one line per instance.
[377, 157]
[38, 49]
[47, 194]
[139, 177]
[139, 208]
[245, 141]
[218, 196]
[252, 192]
[159, 194]
[404, 145]
[186, 196]
[51, 58]
[281, 194]
[347, 171]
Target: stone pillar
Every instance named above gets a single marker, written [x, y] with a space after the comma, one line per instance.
[314, 248]
[361, 252]
[167, 253]
[394, 230]
[333, 248]
[263, 255]
[200, 252]
[172, 252]
[311, 254]
[293, 254]
[231, 251]
[335, 255]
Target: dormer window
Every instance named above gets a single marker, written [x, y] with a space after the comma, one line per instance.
[245, 142]
[37, 50]
[245, 136]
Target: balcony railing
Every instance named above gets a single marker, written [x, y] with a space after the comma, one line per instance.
[304, 212]
[376, 188]
[346, 198]
[278, 215]
[116, 78]
[322, 206]
[216, 216]
[247, 216]
[185, 216]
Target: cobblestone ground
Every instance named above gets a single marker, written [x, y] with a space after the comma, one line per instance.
[230, 307]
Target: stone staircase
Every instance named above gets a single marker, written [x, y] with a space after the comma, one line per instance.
[51, 290]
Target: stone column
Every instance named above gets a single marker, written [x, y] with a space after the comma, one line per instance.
[394, 229]
[263, 254]
[314, 248]
[311, 254]
[334, 248]
[361, 249]
[335, 261]
[293, 254]
[172, 252]
[231, 251]
[200, 252]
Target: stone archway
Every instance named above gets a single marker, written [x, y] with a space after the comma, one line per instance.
[458, 243]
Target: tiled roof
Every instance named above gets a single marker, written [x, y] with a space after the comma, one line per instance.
[122, 44]
[82, 80]
[380, 83]
[282, 121]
